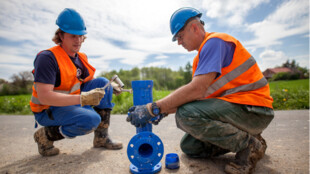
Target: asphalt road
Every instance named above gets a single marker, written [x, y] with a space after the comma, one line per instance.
[287, 138]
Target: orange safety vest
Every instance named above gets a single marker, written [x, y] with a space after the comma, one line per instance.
[69, 83]
[241, 82]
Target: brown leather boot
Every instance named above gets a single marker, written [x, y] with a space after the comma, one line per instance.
[102, 138]
[217, 151]
[263, 141]
[247, 158]
[45, 138]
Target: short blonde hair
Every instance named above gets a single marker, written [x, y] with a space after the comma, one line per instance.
[57, 40]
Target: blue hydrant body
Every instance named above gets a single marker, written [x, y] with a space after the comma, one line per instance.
[145, 149]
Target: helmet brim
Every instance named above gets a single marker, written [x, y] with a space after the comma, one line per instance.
[174, 38]
[75, 32]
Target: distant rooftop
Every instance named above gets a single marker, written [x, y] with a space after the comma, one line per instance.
[279, 69]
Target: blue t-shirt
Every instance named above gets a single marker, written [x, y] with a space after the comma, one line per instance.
[215, 55]
[46, 68]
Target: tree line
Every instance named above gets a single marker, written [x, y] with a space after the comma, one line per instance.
[163, 78]
[21, 84]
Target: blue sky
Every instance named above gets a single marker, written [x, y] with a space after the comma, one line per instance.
[127, 34]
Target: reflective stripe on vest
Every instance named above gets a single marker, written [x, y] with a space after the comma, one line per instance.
[73, 89]
[232, 75]
[35, 100]
[249, 87]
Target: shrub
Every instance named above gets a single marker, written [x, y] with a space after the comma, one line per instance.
[17, 104]
[285, 76]
[281, 76]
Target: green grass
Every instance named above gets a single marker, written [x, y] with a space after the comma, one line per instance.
[287, 95]
[15, 104]
[125, 100]
[19, 104]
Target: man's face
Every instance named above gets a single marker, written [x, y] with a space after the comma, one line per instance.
[71, 43]
[184, 38]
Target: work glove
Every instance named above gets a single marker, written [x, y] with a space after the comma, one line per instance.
[157, 119]
[139, 116]
[92, 97]
[116, 88]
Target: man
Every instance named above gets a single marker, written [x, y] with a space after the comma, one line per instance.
[65, 90]
[227, 104]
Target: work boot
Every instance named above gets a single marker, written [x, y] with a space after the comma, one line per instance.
[45, 138]
[210, 152]
[217, 151]
[247, 158]
[263, 141]
[102, 138]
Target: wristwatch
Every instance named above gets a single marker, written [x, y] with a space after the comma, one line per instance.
[155, 109]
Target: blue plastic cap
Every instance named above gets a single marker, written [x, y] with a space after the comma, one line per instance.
[179, 18]
[70, 21]
[172, 161]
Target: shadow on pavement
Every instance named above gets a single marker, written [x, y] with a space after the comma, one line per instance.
[216, 165]
[61, 163]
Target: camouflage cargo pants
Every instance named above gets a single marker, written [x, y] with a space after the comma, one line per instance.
[214, 125]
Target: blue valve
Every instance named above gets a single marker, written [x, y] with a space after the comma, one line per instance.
[145, 149]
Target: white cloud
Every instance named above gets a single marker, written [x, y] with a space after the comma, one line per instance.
[156, 64]
[271, 58]
[272, 55]
[14, 59]
[143, 26]
[160, 57]
[130, 31]
[291, 18]
[302, 60]
[230, 12]
[7, 70]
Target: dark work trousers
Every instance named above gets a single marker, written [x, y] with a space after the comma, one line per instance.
[215, 122]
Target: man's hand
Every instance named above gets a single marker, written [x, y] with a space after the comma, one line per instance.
[139, 116]
[92, 97]
[116, 88]
[158, 118]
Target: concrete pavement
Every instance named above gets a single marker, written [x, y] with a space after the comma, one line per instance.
[287, 138]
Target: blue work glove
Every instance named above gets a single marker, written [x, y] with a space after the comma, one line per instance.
[157, 119]
[139, 116]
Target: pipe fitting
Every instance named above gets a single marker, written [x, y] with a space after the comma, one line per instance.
[145, 149]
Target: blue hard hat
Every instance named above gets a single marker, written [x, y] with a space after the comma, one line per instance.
[179, 18]
[70, 21]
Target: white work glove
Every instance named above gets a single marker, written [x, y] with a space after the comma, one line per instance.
[116, 88]
[92, 97]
